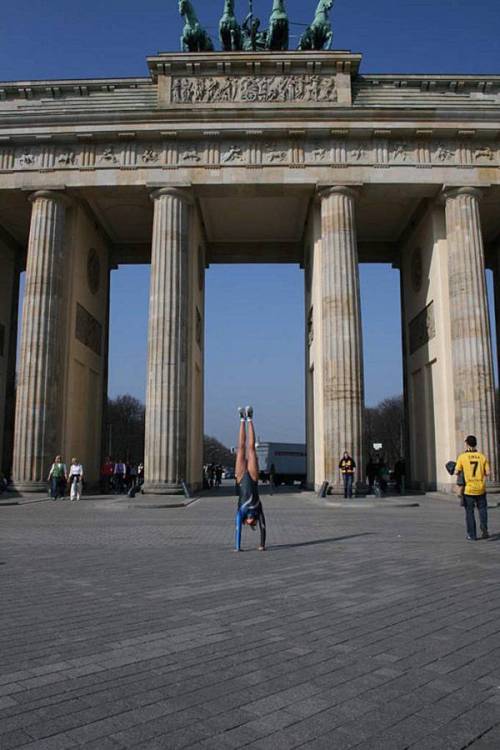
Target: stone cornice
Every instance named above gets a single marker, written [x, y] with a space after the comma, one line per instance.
[251, 63]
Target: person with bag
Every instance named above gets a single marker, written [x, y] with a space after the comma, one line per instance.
[57, 478]
[475, 468]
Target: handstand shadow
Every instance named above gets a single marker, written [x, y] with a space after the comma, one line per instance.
[321, 541]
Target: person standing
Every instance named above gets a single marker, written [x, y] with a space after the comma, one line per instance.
[57, 478]
[119, 476]
[347, 467]
[75, 480]
[475, 468]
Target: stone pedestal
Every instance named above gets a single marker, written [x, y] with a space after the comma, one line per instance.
[38, 401]
[342, 358]
[165, 460]
[474, 393]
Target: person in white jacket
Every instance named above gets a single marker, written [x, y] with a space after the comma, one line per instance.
[75, 479]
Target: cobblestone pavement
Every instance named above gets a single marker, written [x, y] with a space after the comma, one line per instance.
[361, 628]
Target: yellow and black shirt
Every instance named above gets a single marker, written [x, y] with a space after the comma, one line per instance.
[347, 466]
[475, 467]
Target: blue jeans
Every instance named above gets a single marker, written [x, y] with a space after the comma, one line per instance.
[470, 501]
[348, 485]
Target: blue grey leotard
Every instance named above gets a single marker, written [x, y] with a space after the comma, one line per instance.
[249, 504]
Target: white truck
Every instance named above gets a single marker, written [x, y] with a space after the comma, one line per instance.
[288, 459]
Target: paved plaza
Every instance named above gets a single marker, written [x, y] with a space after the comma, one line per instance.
[375, 628]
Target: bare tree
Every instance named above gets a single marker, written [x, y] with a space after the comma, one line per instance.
[384, 424]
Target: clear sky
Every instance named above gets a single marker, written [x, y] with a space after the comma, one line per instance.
[85, 38]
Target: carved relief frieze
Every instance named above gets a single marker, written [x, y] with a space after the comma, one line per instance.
[483, 154]
[255, 150]
[191, 153]
[149, 155]
[358, 152]
[254, 89]
[109, 156]
[28, 158]
[234, 153]
[66, 157]
[444, 153]
[402, 152]
[318, 152]
[276, 153]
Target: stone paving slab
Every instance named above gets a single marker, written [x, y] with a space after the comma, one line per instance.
[131, 627]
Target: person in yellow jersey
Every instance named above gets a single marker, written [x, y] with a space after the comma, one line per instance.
[475, 468]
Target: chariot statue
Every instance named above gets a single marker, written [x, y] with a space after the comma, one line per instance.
[248, 37]
[318, 35]
[194, 37]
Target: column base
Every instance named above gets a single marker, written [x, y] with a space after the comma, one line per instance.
[23, 487]
[493, 488]
[162, 488]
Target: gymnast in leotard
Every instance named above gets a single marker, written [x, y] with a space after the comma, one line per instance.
[250, 511]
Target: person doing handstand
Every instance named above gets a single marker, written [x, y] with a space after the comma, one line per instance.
[250, 511]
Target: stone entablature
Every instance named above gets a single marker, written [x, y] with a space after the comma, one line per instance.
[254, 149]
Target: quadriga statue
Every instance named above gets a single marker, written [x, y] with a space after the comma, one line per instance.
[194, 37]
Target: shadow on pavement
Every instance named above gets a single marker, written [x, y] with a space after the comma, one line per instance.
[493, 538]
[321, 541]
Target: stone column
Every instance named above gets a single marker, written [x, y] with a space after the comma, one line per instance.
[473, 384]
[343, 396]
[38, 399]
[165, 460]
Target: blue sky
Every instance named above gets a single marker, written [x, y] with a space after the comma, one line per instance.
[55, 39]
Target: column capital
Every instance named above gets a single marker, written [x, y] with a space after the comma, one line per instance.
[54, 195]
[351, 191]
[454, 192]
[182, 193]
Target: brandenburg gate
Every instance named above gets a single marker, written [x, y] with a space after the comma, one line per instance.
[238, 157]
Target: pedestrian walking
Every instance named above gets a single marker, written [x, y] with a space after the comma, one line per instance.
[250, 510]
[347, 468]
[475, 468]
[57, 478]
[75, 480]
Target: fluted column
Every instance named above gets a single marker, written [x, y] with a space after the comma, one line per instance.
[474, 393]
[39, 382]
[166, 399]
[343, 392]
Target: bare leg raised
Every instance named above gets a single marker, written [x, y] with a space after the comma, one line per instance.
[241, 461]
[252, 460]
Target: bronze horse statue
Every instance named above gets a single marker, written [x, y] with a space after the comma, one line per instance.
[194, 37]
[277, 35]
[319, 34]
[229, 29]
